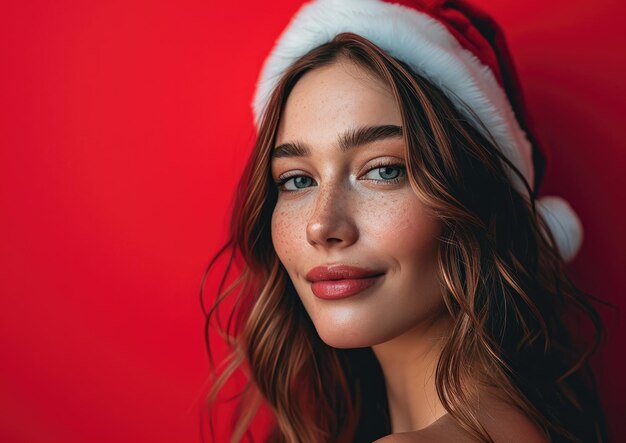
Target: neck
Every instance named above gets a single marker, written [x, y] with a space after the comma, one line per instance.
[408, 363]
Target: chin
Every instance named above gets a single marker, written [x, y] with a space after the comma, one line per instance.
[343, 343]
[346, 337]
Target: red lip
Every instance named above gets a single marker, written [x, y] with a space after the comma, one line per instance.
[339, 281]
[339, 272]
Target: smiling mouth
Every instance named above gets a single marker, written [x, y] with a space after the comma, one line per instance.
[337, 281]
[342, 288]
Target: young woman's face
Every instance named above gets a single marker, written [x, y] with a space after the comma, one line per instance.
[346, 204]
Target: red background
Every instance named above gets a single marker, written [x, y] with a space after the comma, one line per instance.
[124, 128]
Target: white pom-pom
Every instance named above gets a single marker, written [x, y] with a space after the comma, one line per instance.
[564, 224]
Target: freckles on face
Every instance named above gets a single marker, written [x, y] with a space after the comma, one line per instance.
[388, 218]
[341, 207]
[386, 221]
[285, 235]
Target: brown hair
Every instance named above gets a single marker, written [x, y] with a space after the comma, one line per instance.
[506, 288]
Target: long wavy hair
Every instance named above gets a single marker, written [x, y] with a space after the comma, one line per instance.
[506, 288]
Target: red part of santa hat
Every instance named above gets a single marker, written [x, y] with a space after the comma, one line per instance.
[461, 50]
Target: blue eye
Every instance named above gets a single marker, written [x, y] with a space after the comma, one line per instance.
[389, 172]
[299, 182]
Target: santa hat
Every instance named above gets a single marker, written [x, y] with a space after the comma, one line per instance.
[458, 48]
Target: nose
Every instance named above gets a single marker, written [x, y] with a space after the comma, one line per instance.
[331, 224]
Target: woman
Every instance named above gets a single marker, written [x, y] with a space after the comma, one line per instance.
[396, 279]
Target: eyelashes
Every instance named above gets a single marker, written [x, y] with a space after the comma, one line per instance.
[390, 172]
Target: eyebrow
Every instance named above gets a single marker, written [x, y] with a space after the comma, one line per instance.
[346, 141]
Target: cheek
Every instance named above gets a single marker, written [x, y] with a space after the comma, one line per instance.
[285, 227]
[401, 227]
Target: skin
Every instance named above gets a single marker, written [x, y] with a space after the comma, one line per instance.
[346, 217]
[343, 209]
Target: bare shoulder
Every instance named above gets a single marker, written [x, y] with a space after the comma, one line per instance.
[506, 423]
[444, 430]
[503, 422]
[402, 437]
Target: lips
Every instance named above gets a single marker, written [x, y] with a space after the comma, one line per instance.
[340, 281]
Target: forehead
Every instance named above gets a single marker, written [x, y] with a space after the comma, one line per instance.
[329, 99]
